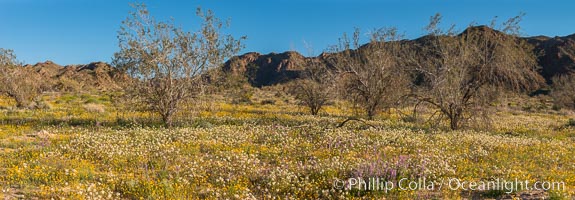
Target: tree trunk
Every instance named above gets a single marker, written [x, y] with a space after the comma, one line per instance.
[167, 118]
[314, 110]
[454, 123]
[21, 102]
[370, 114]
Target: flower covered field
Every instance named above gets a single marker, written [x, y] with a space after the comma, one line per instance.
[84, 147]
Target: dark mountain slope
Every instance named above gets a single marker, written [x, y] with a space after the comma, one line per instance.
[555, 56]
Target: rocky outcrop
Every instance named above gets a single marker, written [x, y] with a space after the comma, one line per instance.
[556, 56]
[267, 69]
[94, 76]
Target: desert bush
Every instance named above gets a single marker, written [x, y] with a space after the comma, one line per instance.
[242, 95]
[315, 87]
[268, 102]
[371, 75]
[236, 88]
[563, 92]
[461, 75]
[21, 84]
[94, 108]
[571, 122]
[166, 62]
[68, 85]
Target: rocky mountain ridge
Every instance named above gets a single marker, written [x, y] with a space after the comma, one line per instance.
[94, 76]
[556, 56]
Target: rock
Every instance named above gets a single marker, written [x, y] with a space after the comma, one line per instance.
[556, 56]
[267, 69]
[97, 75]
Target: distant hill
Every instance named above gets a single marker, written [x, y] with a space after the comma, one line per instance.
[555, 56]
[267, 69]
[94, 76]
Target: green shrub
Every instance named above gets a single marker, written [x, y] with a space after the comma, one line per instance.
[268, 102]
[571, 122]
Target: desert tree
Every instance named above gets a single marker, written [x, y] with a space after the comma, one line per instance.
[315, 86]
[461, 75]
[563, 91]
[165, 62]
[371, 76]
[21, 84]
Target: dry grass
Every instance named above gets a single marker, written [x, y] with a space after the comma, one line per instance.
[94, 108]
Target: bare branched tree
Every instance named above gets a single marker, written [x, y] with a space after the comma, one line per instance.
[563, 92]
[315, 87]
[17, 82]
[463, 74]
[371, 76]
[166, 62]
[8, 58]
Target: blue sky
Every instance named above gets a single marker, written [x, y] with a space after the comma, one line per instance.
[83, 31]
